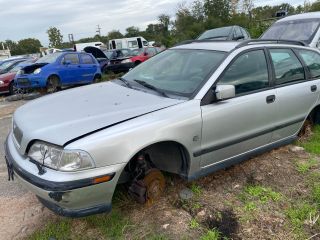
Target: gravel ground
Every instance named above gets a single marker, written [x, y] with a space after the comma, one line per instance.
[20, 211]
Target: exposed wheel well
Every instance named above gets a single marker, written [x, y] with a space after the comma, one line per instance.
[55, 75]
[314, 116]
[137, 62]
[167, 156]
[98, 75]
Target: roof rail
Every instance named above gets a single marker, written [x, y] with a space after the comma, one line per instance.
[201, 40]
[270, 41]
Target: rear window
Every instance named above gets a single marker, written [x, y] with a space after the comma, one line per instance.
[312, 60]
[86, 59]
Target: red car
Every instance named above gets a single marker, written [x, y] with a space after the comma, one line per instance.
[142, 54]
[6, 80]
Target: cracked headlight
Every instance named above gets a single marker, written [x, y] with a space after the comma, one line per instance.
[57, 158]
[37, 71]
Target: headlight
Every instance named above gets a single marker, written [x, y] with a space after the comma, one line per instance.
[1, 82]
[37, 71]
[57, 158]
[126, 61]
[20, 72]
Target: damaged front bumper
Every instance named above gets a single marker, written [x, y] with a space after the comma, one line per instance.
[70, 194]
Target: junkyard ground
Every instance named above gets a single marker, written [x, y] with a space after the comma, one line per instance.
[273, 196]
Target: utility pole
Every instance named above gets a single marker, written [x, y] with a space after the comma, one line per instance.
[98, 30]
[71, 39]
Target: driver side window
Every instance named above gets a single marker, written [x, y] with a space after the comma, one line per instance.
[248, 73]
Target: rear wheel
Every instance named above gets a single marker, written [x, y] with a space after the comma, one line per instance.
[52, 84]
[13, 89]
[97, 79]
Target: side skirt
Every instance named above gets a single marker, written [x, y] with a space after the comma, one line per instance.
[238, 159]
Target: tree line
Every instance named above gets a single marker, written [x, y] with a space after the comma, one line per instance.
[190, 21]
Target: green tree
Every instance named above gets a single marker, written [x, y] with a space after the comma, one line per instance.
[55, 37]
[132, 31]
[114, 34]
[219, 9]
[29, 45]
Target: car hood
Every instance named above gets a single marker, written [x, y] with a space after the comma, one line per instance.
[7, 76]
[62, 117]
[96, 52]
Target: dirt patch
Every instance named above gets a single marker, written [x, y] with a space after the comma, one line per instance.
[7, 109]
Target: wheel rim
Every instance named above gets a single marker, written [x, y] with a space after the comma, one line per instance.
[52, 85]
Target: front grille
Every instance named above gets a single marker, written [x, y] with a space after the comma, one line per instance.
[23, 82]
[17, 133]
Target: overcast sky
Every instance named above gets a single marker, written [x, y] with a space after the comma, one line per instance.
[31, 18]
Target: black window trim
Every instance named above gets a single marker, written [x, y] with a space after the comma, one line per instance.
[306, 74]
[206, 100]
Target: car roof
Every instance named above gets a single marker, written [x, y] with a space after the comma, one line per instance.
[224, 46]
[301, 16]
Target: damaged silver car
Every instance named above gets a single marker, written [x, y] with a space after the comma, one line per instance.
[190, 110]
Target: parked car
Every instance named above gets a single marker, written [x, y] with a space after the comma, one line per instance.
[117, 60]
[142, 54]
[231, 33]
[7, 80]
[59, 69]
[190, 110]
[8, 65]
[131, 43]
[301, 27]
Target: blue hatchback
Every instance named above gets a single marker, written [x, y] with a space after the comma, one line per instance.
[59, 69]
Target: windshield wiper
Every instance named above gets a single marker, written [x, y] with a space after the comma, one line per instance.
[125, 81]
[147, 85]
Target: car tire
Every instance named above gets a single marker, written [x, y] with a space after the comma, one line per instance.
[52, 84]
[136, 63]
[96, 79]
[12, 88]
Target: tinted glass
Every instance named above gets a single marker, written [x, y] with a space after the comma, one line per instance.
[73, 58]
[302, 30]
[151, 51]
[247, 73]
[177, 71]
[86, 59]
[287, 67]
[237, 33]
[50, 58]
[126, 52]
[216, 33]
[137, 52]
[312, 60]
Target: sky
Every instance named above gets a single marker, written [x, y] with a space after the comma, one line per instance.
[31, 18]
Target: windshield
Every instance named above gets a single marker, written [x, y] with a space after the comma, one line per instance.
[137, 52]
[51, 58]
[15, 68]
[300, 30]
[176, 71]
[6, 65]
[216, 33]
[108, 54]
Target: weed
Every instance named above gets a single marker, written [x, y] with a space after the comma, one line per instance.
[316, 194]
[196, 206]
[158, 237]
[54, 230]
[196, 190]
[263, 194]
[250, 206]
[313, 144]
[306, 166]
[111, 225]
[213, 234]
[194, 224]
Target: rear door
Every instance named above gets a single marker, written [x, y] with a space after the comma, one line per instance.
[241, 124]
[296, 91]
[69, 70]
[88, 67]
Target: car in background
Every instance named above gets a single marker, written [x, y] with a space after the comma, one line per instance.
[132, 43]
[57, 70]
[142, 54]
[7, 80]
[301, 27]
[230, 33]
[114, 60]
[6, 66]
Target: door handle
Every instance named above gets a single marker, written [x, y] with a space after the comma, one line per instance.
[314, 88]
[270, 99]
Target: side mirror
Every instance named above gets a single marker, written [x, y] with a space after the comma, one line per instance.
[67, 62]
[223, 92]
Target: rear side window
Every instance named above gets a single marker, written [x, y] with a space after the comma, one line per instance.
[151, 51]
[73, 58]
[287, 66]
[312, 60]
[247, 73]
[86, 59]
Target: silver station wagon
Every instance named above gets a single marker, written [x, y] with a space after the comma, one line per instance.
[190, 110]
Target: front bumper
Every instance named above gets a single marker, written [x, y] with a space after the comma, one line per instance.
[68, 194]
[30, 81]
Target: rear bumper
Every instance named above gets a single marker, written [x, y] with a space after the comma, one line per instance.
[121, 67]
[75, 198]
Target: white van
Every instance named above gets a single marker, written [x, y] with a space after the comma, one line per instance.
[301, 27]
[132, 43]
[80, 46]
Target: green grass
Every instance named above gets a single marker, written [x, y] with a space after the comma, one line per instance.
[211, 235]
[112, 225]
[196, 190]
[55, 230]
[194, 224]
[306, 166]
[313, 144]
[316, 194]
[264, 194]
[110, 76]
[250, 206]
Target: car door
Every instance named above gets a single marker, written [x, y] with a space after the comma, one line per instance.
[69, 69]
[241, 124]
[295, 94]
[88, 68]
